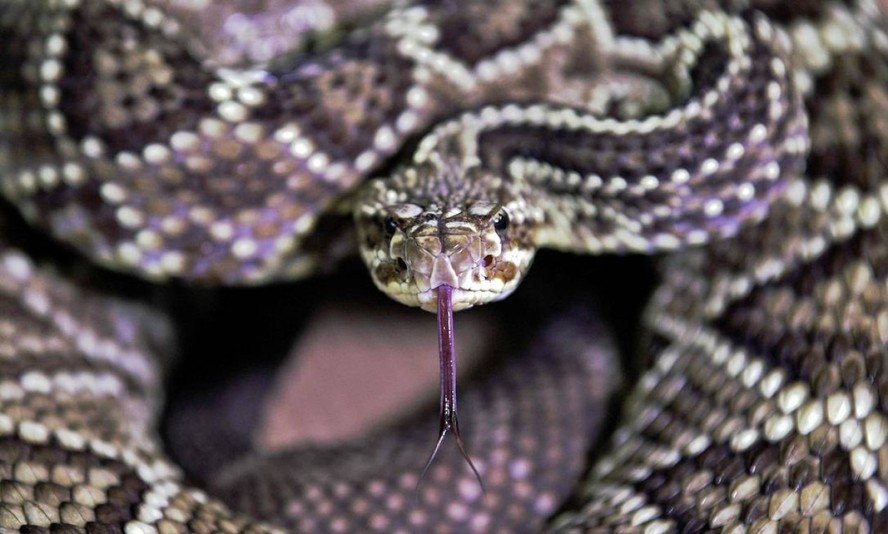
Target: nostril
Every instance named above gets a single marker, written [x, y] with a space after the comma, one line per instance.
[487, 261]
[402, 265]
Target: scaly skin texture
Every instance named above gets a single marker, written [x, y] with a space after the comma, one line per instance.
[619, 126]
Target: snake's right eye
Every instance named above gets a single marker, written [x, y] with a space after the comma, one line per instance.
[389, 226]
[501, 221]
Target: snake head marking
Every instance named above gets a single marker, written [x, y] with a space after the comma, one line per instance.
[414, 243]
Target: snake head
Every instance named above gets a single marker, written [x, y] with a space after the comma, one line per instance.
[414, 242]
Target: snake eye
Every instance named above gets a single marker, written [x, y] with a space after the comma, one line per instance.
[389, 226]
[501, 221]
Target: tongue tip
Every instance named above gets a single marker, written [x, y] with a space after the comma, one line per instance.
[447, 355]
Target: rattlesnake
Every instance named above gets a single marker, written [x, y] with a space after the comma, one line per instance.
[756, 130]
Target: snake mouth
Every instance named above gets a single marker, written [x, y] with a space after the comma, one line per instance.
[463, 297]
[472, 282]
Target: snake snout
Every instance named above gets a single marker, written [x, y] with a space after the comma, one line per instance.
[433, 261]
[464, 260]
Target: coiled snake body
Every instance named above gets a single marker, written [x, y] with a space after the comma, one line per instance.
[751, 137]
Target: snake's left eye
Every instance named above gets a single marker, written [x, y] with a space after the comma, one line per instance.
[501, 221]
[389, 226]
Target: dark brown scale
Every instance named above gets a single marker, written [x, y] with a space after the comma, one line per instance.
[786, 13]
[710, 66]
[852, 368]
[794, 450]
[691, 408]
[761, 459]
[848, 121]
[711, 497]
[101, 215]
[694, 523]
[679, 490]
[755, 510]
[846, 496]
[825, 380]
[343, 97]
[809, 362]
[507, 24]
[683, 470]
[881, 383]
[823, 440]
[659, 18]
[741, 401]
[774, 479]
[12, 451]
[668, 492]
[12, 79]
[727, 470]
[835, 467]
[713, 457]
[96, 28]
[748, 322]
[880, 521]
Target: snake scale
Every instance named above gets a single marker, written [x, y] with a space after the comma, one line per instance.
[215, 143]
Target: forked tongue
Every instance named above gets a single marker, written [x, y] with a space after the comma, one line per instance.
[447, 355]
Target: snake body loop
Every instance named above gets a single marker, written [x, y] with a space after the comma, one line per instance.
[448, 141]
